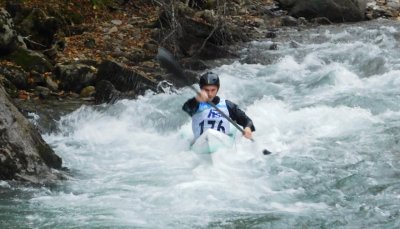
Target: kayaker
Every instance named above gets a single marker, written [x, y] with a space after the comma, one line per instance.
[204, 116]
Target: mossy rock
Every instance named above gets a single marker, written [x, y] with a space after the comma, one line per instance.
[30, 60]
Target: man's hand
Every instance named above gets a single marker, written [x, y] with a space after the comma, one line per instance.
[247, 133]
[202, 96]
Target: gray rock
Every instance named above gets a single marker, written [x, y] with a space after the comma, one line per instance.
[42, 92]
[114, 29]
[194, 64]
[151, 47]
[395, 4]
[38, 29]
[334, 10]
[199, 38]
[289, 21]
[24, 155]
[124, 79]
[321, 21]
[51, 84]
[8, 36]
[74, 77]
[15, 75]
[270, 34]
[137, 55]
[116, 22]
[294, 44]
[287, 3]
[9, 87]
[273, 46]
[106, 92]
[30, 60]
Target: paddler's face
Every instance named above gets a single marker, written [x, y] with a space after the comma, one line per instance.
[211, 91]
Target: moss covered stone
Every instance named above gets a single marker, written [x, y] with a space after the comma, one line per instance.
[30, 60]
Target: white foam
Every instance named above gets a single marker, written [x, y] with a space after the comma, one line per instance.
[4, 184]
[133, 167]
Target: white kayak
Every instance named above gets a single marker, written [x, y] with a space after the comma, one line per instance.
[211, 141]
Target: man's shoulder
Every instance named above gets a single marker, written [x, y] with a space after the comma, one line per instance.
[191, 101]
[190, 106]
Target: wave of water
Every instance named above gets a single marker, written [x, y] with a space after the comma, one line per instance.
[328, 108]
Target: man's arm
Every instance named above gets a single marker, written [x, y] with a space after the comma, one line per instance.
[190, 106]
[236, 114]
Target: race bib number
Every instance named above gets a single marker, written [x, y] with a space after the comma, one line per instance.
[211, 124]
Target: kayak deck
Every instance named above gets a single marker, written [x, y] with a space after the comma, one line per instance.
[211, 141]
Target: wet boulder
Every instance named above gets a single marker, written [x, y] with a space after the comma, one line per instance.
[289, 21]
[75, 76]
[334, 10]
[124, 79]
[287, 3]
[24, 155]
[106, 92]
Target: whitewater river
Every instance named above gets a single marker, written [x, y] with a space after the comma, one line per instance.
[327, 105]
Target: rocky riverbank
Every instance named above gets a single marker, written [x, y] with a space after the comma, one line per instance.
[56, 56]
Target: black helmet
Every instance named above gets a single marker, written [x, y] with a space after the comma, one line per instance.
[209, 78]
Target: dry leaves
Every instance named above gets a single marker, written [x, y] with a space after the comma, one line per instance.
[130, 33]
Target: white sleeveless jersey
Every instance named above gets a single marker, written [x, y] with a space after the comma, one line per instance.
[207, 117]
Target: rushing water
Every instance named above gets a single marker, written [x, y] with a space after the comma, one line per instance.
[328, 106]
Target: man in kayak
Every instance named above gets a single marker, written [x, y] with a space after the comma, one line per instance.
[204, 116]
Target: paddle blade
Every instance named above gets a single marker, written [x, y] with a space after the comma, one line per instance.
[266, 152]
[167, 61]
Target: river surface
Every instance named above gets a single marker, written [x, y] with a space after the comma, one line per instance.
[327, 105]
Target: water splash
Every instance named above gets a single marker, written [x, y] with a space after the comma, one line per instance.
[328, 109]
